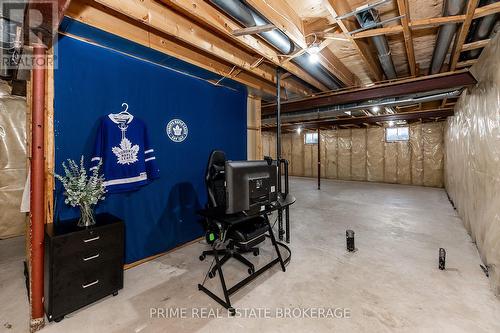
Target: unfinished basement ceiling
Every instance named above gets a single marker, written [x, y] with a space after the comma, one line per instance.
[204, 34]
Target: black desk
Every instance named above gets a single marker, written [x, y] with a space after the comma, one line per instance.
[229, 220]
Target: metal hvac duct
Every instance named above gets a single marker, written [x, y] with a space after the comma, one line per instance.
[368, 19]
[445, 34]
[481, 30]
[341, 109]
[250, 18]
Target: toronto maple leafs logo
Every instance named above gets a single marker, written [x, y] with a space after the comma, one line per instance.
[126, 153]
[177, 130]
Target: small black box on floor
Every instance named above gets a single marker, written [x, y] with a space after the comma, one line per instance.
[442, 258]
[82, 265]
[349, 235]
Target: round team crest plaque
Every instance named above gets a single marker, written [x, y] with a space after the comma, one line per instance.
[177, 130]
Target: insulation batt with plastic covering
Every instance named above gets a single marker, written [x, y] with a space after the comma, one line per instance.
[12, 162]
[363, 154]
[472, 166]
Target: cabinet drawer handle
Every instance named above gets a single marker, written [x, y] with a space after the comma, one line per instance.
[91, 239]
[90, 258]
[90, 284]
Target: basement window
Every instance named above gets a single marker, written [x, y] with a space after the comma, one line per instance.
[311, 138]
[397, 134]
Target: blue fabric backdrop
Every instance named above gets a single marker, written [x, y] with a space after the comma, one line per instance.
[92, 81]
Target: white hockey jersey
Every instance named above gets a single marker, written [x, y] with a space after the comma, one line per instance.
[128, 161]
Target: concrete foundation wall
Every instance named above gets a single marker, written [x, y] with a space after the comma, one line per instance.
[473, 159]
[363, 154]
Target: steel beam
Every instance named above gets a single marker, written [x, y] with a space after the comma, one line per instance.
[449, 80]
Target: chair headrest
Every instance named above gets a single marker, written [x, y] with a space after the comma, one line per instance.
[218, 158]
[216, 164]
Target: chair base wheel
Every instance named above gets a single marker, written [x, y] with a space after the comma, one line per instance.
[256, 252]
[251, 271]
[232, 311]
[211, 275]
[202, 257]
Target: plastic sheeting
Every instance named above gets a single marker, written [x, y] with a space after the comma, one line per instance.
[363, 154]
[473, 159]
[12, 163]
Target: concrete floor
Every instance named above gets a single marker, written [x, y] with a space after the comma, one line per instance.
[390, 284]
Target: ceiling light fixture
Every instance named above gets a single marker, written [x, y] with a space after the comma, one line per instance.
[314, 58]
[391, 123]
[299, 130]
[376, 109]
[313, 49]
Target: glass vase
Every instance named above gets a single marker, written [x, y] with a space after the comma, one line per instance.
[87, 218]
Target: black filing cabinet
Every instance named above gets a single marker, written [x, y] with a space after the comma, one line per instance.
[82, 265]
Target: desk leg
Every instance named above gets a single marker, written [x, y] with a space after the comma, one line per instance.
[221, 276]
[275, 244]
[280, 224]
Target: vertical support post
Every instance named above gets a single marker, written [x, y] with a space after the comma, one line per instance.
[278, 146]
[37, 191]
[278, 121]
[319, 159]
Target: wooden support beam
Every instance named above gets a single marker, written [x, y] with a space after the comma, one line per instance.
[412, 25]
[337, 68]
[167, 21]
[410, 53]
[253, 30]
[464, 30]
[492, 8]
[435, 21]
[283, 16]
[340, 7]
[394, 29]
[202, 12]
[475, 45]
[102, 18]
[466, 63]
[432, 22]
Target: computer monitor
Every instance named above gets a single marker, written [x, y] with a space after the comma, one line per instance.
[250, 185]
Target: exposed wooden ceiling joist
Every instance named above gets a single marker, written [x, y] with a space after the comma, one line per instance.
[487, 10]
[340, 7]
[167, 21]
[284, 17]
[410, 53]
[415, 24]
[440, 81]
[208, 15]
[475, 45]
[462, 34]
[337, 68]
[102, 18]
[253, 30]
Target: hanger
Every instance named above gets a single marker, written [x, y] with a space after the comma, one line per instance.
[125, 112]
